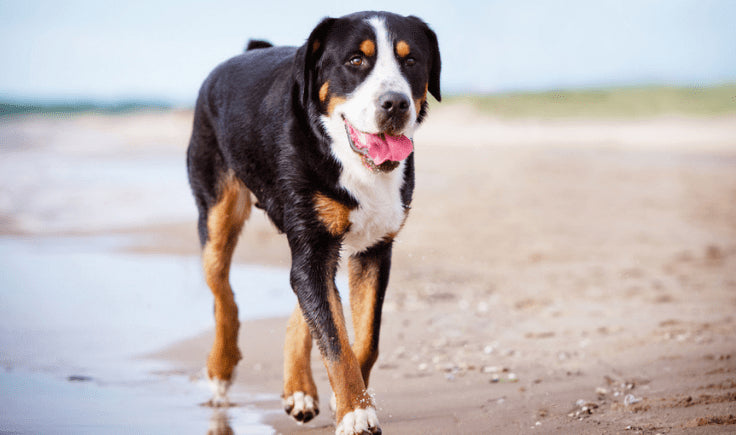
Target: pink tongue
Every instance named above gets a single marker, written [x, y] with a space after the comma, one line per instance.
[382, 147]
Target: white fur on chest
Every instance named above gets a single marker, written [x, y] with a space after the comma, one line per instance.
[380, 211]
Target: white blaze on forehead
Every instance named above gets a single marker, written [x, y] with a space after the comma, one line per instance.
[386, 73]
[361, 105]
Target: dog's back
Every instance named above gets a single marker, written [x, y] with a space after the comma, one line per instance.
[243, 101]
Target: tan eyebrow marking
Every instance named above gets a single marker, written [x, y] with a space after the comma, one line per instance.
[368, 47]
[402, 48]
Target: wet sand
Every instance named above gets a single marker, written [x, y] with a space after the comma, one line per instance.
[569, 276]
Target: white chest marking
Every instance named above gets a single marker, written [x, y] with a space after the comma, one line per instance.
[380, 211]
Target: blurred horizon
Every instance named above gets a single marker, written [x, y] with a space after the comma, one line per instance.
[159, 53]
[610, 102]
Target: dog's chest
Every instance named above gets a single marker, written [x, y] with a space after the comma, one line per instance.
[380, 212]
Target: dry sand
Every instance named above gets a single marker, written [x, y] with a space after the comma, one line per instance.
[569, 276]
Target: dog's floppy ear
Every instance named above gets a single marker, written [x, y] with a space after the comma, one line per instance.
[435, 61]
[312, 52]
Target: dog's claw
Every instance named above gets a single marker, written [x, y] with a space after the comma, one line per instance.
[301, 407]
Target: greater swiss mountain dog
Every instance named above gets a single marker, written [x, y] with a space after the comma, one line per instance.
[320, 137]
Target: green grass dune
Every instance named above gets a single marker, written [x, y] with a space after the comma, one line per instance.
[610, 102]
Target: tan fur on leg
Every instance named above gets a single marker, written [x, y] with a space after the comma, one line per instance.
[224, 223]
[344, 372]
[300, 392]
[363, 279]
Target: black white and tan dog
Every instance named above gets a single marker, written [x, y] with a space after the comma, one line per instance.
[320, 137]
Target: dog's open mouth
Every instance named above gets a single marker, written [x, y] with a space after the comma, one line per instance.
[379, 152]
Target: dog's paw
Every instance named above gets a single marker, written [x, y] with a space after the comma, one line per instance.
[219, 389]
[301, 407]
[360, 421]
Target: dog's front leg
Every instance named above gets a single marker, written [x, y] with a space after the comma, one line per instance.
[313, 279]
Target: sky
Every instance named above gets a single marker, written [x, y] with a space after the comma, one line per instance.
[162, 50]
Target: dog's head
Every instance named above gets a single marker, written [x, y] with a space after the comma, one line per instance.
[369, 74]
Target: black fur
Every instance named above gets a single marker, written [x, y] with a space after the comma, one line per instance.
[257, 115]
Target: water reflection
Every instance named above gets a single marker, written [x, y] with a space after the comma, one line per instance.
[220, 423]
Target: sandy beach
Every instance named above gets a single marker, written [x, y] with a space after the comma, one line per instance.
[555, 276]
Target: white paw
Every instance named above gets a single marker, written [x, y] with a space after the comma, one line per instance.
[219, 389]
[358, 422]
[301, 407]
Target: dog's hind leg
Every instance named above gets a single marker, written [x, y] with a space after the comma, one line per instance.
[368, 278]
[224, 220]
[300, 393]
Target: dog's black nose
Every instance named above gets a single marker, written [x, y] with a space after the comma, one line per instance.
[393, 103]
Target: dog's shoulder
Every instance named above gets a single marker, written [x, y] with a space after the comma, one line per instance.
[253, 69]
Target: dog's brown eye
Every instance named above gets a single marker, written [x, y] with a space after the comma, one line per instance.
[356, 60]
[410, 61]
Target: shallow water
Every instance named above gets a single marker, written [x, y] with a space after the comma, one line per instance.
[75, 308]
[39, 403]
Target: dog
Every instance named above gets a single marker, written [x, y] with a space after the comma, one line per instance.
[319, 137]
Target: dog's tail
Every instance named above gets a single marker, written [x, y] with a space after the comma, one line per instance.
[255, 44]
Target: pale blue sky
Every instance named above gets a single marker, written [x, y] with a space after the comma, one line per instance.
[81, 49]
